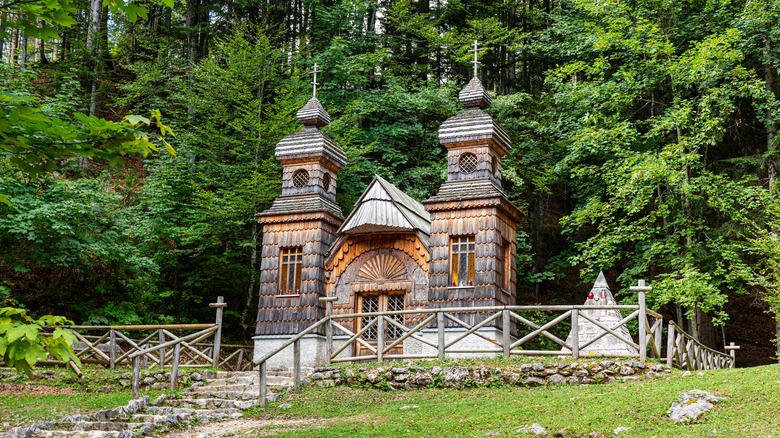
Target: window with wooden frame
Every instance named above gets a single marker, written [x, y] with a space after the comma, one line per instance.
[290, 268]
[503, 265]
[462, 260]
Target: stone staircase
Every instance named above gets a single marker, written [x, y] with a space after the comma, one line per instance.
[216, 397]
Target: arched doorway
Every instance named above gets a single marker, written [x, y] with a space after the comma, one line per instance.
[382, 284]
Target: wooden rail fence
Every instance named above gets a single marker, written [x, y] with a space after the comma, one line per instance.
[160, 346]
[685, 352]
[379, 348]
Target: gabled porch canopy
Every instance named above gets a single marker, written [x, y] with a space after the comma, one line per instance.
[384, 208]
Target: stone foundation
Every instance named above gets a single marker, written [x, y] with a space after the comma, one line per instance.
[470, 342]
[404, 376]
[312, 351]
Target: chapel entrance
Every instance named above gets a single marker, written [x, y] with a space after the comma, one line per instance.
[373, 302]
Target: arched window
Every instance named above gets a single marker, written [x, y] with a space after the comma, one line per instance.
[326, 182]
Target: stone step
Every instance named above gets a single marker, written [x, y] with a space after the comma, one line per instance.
[172, 410]
[108, 426]
[164, 420]
[218, 393]
[270, 381]
[235, 380]
[82, 434]
[227, 387]
[256, 374]
[231, 374]
[211, 403]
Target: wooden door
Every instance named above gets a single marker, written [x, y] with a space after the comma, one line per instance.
[379, 302]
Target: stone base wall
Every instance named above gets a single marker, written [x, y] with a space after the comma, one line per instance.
[470, 342]
[530, 374]
[312, 351]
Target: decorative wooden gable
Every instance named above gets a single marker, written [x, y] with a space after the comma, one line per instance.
[383, 267]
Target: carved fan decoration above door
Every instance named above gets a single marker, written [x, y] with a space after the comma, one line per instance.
[383, 267]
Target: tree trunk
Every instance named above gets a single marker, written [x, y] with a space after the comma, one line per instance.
[14, 46]
[2, 40]
[93, 41]
[771, 133]
[191, 22]
[255, 226]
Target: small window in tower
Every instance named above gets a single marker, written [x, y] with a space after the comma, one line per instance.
[468, 162]
[508, 266]
[290, 268]
[462, 251]
[300, 178]
[326, 182]
[494, 167]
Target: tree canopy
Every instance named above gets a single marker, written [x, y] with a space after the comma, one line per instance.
[644, 139]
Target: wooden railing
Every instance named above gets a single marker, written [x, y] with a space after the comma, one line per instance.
[501, 318]
[687, 353]
[175, 345]
[116, 345]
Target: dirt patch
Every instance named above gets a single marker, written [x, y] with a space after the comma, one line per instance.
[246, 428]
[6, 388]
[254, 427]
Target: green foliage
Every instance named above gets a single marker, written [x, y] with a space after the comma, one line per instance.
[22, 342]
[647, 194]
[39, 133]
[641, 141]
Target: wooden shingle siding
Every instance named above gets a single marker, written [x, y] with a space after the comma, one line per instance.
[290, 315]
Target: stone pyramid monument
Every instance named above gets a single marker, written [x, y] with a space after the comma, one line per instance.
[608, 345]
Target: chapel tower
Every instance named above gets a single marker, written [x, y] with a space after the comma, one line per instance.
[473, 223]
[300, 226]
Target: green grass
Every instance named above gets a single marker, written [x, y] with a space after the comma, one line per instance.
[750, 408]
[98, 389]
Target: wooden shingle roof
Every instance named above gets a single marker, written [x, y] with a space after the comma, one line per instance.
[383, 207]
[308, 203]
[310, 143]
[473, 126]
[459, 190]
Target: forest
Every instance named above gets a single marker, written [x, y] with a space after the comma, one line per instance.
[137, 144]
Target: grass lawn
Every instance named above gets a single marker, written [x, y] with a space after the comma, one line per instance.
[750, 408]
[54, 393]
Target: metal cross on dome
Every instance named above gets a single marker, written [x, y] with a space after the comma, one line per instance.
[476, 60]
[314, 82]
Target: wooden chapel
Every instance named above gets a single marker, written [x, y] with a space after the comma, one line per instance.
[456, 249]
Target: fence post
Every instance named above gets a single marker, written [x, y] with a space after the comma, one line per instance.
[507, 329]
[440, 328]
[380, 338]
[640, 289]
[136, 376]
[112, 348]
[161, 337]
[659, 328]
[670, 345]
[297, 365]
[575, 333]
[220, 304]
[263, 382]
[732, 349]
[175, 367]
[328, 326]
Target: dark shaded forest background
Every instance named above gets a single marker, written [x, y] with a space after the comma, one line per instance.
[644, 145]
